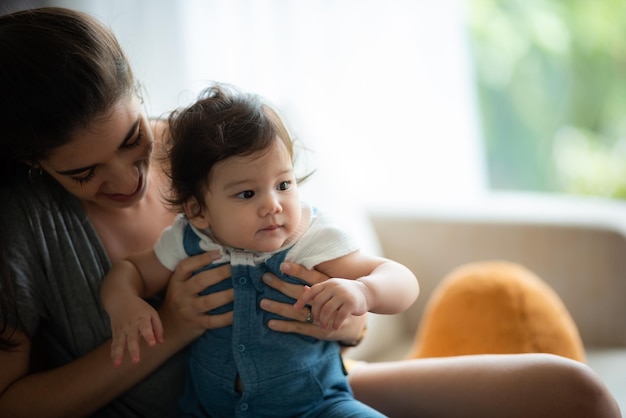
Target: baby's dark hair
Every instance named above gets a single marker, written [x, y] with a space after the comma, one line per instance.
[224, 122]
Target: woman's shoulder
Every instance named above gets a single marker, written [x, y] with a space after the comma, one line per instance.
[31, 207]
[40, 195]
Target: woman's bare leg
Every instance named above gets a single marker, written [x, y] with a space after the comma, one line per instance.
[511, 385]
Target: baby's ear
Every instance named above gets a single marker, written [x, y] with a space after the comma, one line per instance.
[198, 216]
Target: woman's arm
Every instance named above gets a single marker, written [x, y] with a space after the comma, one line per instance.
[90, 382]
[76, 389]
[484, 386]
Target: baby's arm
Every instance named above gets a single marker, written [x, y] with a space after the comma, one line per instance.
[123, 291]
[359, 283]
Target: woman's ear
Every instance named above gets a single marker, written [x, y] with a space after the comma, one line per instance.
[198, 216]
[34, 165]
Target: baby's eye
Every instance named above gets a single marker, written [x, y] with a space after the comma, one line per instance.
[248, 194]
[284, 185]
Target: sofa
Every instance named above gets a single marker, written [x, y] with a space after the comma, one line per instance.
[577, 245]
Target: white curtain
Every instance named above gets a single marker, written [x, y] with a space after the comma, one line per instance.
[381, 91]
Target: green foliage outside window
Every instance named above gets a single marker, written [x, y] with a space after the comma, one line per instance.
[551, 80]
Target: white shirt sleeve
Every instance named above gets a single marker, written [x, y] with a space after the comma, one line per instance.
[169, 248]
[323, 241]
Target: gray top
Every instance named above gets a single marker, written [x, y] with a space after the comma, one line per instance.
[59, 263]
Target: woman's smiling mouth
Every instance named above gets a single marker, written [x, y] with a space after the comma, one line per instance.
[122, 198]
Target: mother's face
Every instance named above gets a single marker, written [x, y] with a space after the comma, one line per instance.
[105, 165]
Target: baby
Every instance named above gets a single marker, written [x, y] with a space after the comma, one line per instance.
[231, 165]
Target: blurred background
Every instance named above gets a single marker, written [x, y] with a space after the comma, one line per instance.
[404, 102]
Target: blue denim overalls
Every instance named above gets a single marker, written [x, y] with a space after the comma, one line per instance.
[281, 374]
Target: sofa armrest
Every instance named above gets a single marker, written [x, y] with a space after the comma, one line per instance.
[577, 245]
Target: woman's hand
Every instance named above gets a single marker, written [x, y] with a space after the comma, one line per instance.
[184, 311]
[297, 319]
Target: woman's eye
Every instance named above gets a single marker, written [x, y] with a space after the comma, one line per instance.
[84, 179]
[248, 194]
[284, 185]
[133, 143]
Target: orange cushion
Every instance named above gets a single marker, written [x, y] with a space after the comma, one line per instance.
[495, 308]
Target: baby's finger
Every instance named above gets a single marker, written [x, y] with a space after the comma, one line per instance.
[329, 323]
[145, 331]
[305, 298]
[327, 307]
[340, 317]
[118, 346]
[157, 327]
[132, 342]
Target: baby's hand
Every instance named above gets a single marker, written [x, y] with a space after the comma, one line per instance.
[136, 320]
[333, 300]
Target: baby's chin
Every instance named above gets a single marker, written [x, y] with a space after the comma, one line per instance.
[266, 248]
[267, 244]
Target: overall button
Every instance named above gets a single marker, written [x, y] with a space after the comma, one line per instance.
[241, 348]
[243, 280]
[244, 406]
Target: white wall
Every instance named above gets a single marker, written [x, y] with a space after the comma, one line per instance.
[381, 91]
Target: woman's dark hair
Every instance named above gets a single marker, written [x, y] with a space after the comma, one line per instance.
[222, 123]
[59, 70]
[8, 304]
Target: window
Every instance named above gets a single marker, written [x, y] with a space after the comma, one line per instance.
[551, 82]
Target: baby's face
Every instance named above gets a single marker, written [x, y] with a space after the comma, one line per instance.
[253, 202]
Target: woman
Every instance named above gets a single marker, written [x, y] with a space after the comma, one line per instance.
[79, 192]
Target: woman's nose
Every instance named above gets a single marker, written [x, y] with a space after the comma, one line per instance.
[124, 177]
